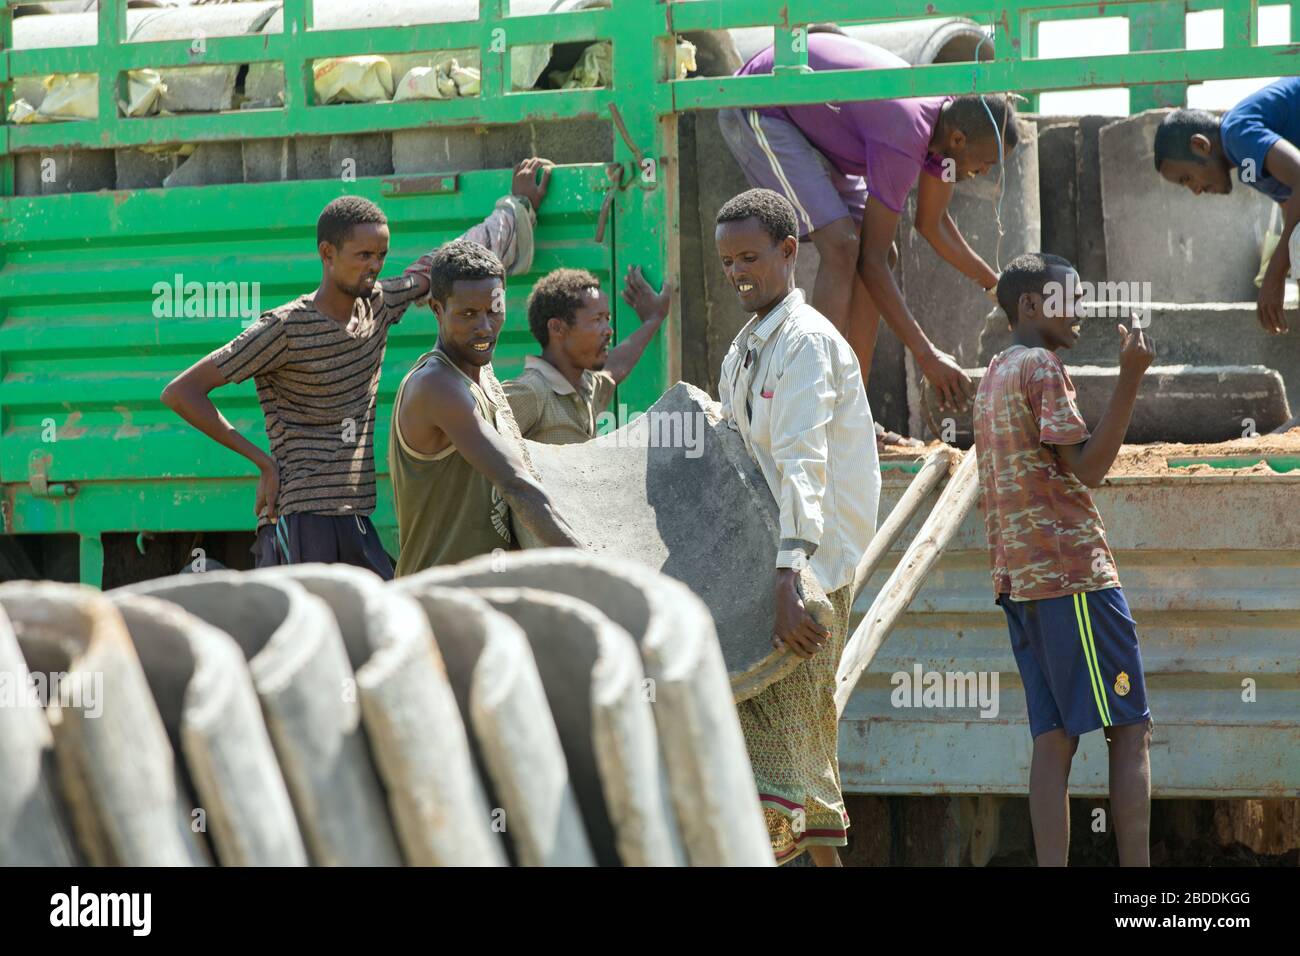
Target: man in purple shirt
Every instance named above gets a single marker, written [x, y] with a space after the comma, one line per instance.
[848, 167]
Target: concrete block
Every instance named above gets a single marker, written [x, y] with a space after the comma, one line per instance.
[1093, 261]
[209, 165]
[33, 828]
[301, 672]
[311, 157]
[116, 768]
[1058, 193]
[412, 721]
[27, 174]
[494, 675]
[198, 89]
[437, 151]
[206, 699]
[367, 155]
[941, 299]
[269, 160]
[688, 492]
[699, 733]
[137, 169]
[1190, 248]
[79, 171]
[601, 702]
[1176, 403]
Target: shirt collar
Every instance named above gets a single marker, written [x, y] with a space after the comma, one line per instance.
[559, 384]
[772, 321]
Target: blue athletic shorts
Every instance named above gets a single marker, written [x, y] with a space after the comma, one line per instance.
[1079, 661]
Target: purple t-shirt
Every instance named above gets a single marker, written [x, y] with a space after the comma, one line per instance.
[884, 141]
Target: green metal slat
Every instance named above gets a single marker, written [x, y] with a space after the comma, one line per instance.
[995, 77]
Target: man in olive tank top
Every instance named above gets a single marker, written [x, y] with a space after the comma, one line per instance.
[456, 479]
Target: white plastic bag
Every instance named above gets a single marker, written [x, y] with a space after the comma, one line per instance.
[353, 79]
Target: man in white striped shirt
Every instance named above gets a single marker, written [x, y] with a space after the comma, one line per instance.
[791, 386]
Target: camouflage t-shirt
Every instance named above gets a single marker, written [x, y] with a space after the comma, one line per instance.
[1046, 538]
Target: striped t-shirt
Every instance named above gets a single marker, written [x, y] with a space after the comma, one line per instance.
[317, 382]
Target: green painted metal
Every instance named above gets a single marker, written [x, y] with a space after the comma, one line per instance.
[1279, 463]
[81, 348]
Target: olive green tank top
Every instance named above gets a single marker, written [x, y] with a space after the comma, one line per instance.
[446, 510]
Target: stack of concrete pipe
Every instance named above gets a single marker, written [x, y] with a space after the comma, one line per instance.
[536, 708]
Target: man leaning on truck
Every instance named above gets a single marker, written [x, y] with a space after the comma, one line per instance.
[316, 361]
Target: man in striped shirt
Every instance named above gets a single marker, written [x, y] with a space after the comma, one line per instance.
[316, 361]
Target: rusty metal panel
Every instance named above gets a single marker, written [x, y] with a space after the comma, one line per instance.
[1211, 569]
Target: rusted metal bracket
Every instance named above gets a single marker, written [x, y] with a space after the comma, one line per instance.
[615, 173]
[418, 185]
[38, 464]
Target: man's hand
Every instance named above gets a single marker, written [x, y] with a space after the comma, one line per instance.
[648, 304]
[268, 491]
[1272, 292]
[952, 386]
[795, 627]
[1136, 353]
[525, 183]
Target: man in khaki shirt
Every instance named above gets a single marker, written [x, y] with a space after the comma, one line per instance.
[560, 394]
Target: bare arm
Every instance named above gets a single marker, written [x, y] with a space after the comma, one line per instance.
[450, 413]
[188, 396]
[651, 308]
[936, 225]
[1090, 460]
[951, 383]
[1283, 164]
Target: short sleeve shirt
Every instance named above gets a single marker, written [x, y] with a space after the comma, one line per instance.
[887, 142]
[1045, 536]
[550, 410]
[1252, 127]
[317, 383]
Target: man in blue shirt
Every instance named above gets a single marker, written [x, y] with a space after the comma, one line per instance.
[1258, 138]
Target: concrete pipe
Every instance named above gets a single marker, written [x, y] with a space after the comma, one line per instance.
[205, 696]
[301, 672]
[699, 733]
[116, 768]
[412, 721]
[33, 828]
[515, 741]
[601, 702]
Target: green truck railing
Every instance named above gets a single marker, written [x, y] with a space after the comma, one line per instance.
[86, 448]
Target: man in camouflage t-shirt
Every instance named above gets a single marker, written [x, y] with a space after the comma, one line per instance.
[1074, 640]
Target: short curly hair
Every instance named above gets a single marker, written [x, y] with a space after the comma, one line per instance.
[1030, 273]
[558, 295]
[339, 218]
[771, 209]
[1173, 139]
[458, 260]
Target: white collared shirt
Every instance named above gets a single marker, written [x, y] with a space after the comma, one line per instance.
[805, 420]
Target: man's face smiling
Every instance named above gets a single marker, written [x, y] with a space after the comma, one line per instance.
[757, 268]
[1059, 316]
[470, 321]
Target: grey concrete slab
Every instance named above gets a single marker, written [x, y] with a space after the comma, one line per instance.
[301, 672]
[601, 701]
[78, 171]
[138, 169]
[209, 164]
[1190, 248]
[699, 733]
[34, 829]
[269, 160]
[1180, 403]
[1093, 259]
[366, 155]
[117, 770]
[942, 299]
[494, 675]
[689, 492]
[205, 696]
[437, 151]
[1058, 189]
[412, 721]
